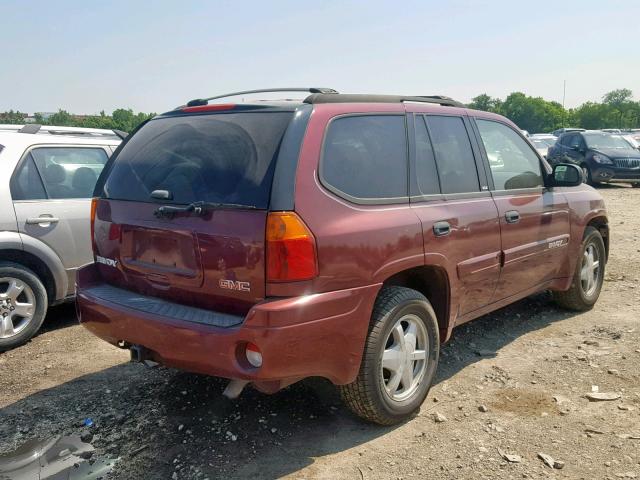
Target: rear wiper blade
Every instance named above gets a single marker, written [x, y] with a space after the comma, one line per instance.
[199, 208]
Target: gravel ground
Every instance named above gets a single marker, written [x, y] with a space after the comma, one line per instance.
[510, 385]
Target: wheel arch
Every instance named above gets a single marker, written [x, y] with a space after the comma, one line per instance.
[34, 264]
[433, 282]
[601, 223]
[40, 258]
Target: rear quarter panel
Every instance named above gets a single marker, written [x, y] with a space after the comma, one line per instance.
[357, 244]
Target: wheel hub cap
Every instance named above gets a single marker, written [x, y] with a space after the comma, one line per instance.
[590, 270]
[404, 358]
[17, 306]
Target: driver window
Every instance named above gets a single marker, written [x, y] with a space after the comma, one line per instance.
[453, 154]
[574, 141]
[513, 162]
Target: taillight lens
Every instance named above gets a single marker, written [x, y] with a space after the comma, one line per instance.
[291, 249]
[94, 206]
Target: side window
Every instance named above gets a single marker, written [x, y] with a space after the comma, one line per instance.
[575, 141]
[454, 156]
[26, 183]
[365, 156]
[69, 172]
[426, 171]
[513, 162]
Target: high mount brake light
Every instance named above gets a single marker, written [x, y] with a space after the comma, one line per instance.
[291, 249]
[209, 108]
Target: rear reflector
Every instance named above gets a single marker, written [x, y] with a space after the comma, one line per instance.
[209, 108]
[254, 355]
[291, 249]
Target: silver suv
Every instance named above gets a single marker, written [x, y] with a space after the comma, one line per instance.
[48, 178]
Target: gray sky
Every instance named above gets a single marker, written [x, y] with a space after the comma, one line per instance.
[151, 56]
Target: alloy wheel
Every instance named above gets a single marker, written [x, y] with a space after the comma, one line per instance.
[404, 359]
[17, 306]
[590, 270]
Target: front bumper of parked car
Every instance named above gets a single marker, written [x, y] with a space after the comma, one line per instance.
[613, 173]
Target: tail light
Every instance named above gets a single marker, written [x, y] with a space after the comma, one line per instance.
[94, 207]
[291, 249]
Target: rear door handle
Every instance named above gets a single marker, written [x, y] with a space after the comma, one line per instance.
[441, 229]
[41, 220]
[512, 216]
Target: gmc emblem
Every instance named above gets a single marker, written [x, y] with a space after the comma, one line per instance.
[234, 285]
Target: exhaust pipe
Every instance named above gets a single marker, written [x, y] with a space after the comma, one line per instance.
[234, 388]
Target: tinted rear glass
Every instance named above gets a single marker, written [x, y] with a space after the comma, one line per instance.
[365, 156]
[454, 156]
[221, 158]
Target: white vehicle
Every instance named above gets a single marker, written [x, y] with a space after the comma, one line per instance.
[631, 141]
[45, 192]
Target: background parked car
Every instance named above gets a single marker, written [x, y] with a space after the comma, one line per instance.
[602, 156]
[632, 141]
[50, 173]
[560, 131]
[542, 145]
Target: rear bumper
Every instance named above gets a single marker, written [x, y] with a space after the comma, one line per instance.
[313, 335]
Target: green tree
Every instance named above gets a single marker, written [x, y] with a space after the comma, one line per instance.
[618, 98]
[61, 118]
[12, 117]
[486, 103]
[534, 114]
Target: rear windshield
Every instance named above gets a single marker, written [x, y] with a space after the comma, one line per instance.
[220, 158]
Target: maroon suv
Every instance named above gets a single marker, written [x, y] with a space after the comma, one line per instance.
[343, 236]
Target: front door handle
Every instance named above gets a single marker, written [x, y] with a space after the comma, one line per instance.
[512, 216]
[441, 229]
[41, 220]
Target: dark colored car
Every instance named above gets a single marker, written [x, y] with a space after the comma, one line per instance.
[343, 236]
[603, 157]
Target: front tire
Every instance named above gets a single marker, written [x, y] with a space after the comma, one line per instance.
[399, 360]
[23, 305]
[586, 172]
[588, 276]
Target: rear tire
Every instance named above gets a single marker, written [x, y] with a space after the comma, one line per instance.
[587, 280]
[403, 345]
[23, 305]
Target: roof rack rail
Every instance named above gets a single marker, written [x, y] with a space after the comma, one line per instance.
[30, 128]
[204, 101]
[365, 98]
[34, 128]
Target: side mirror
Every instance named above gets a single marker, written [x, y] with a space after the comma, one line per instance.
[567, 175]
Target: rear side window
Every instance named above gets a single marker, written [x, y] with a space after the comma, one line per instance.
[365, 156]
[69, 172]
[220, 158]
[454, 156]
[58, 173]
